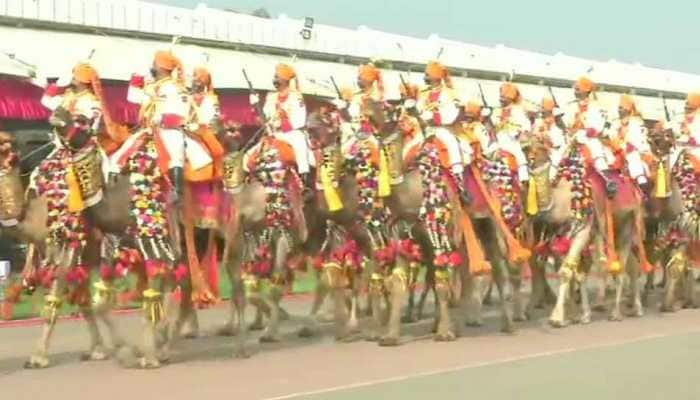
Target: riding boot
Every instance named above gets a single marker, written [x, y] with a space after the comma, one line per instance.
[464, 194]
[610, 185]
[307, 180]
[177, 178]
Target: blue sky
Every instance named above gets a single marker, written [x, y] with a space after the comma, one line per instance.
[663, 34]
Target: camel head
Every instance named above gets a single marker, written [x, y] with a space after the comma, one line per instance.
[73, 130]
[323, 127]
[661, 140]
[537, 153]
[8, 151]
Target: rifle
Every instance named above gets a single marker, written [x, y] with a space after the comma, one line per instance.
[486, 105]
[259, 110]
[414, 112]
[666, 112]
[344, 113]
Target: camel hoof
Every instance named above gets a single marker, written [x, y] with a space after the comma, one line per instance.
[226, 330]
[445, 337]
[615, 317]
[145, 363]
[37, 362]
[241, 353]
[284, 315]
[508, 329]
[520, 318]
[474, 324]
[325, 318]
[373, 337]
[690, 305]
[389, 341]
[599, 308]
[558, 324]
[409, 319]
[585, 320]
[267, 338]
[96, 354]
[306, 332]
[256, 326]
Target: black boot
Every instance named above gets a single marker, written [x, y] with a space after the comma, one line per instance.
[307, 180]
[177, 178]
[464, 194]
[610, 185]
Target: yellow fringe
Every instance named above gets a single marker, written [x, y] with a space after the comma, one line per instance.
[75, 197]
[330, 192]
[661, 184]
[384, 175]
[532, 207]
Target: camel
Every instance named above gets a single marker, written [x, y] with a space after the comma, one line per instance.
[677, 228]
[31, 215]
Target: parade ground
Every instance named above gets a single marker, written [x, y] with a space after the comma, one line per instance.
[653, 357]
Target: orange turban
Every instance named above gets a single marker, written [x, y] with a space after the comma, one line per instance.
[203, 75]
[627, 103]
[510, 91]
[548, 104]
[169, 62]
[346, 93]
[585, 84]
[285, 72]
[369, 73]
[85, 73]
[436, 70]
[693, 100]
[473, 107]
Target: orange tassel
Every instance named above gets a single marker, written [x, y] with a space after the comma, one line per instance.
[517, 254]
[614, 266]
[477, 261]
[201, 293]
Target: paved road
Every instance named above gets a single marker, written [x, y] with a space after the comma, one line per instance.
[646, 358]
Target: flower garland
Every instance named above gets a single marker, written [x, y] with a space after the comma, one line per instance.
[375, 215]
[436, 209]
[572, 169]
[271, 172]
[68, 230]
[148, 204]
[504, 184]
[689, 220]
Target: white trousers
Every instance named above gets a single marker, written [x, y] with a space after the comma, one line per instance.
[297, 139]
[636, 166]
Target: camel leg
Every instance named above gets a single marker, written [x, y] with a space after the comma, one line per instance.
[442, 287]
[474, 287]
[674, 274]
[690, 296]
[103, 303]
[353, 321]
[152, 323]
[410, 315]
[634, 272]
[601, 262]
[97, 349]
[429, 286]
[188, 320]
[272, 298]
[500, 274]
[585, 301]
[538, 286]
[616, 312]
[519, 314]
[336, 281]
[376, 288]
[310, 327]
[397, 286]
[52, 305]
[230, 259]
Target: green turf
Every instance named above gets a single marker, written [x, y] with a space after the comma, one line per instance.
[30, 305]
[662, 368]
